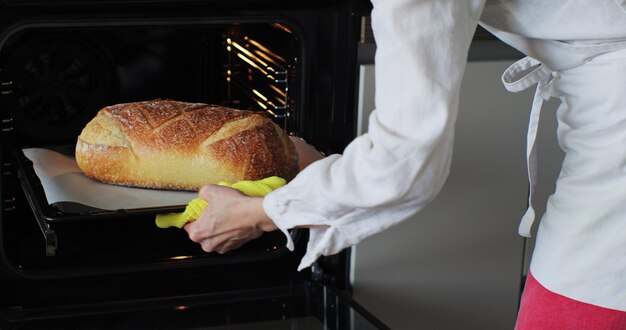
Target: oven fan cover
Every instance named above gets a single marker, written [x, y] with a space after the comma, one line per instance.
[58, 82]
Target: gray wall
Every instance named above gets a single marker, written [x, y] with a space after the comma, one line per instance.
[458, 264]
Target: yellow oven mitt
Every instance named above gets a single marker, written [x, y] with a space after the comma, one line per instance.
[196, 206]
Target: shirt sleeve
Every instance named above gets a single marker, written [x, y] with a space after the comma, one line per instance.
[398, 166]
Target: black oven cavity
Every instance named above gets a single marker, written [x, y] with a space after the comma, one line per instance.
[59, 75]
[67, 264]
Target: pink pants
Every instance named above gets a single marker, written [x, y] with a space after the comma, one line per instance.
[544, 309]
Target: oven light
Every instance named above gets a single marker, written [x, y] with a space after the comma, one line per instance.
[282, 102]
[259, 94]
[278, 90]
[180, 257]
[228, 48]
[282, 27]
[249, 54]
[181, 308]
[266, 50]
[228, 41]
[269, 59]
[247, 60]
[263, 106]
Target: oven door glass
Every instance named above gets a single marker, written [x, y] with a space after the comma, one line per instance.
[305, 306]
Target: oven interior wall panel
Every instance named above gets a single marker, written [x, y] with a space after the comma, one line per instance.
[459, 263]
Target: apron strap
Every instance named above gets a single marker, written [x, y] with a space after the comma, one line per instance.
[514, 80]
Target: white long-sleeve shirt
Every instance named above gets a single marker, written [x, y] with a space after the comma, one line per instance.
[401, 163]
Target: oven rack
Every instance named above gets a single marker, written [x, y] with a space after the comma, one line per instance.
[48, 214]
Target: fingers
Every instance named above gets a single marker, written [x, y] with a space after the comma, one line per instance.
[223, 244]
[194, 231]
[226, 242]
[226, 223]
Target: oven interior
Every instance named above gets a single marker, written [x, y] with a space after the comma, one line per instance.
[58, 68]
[57, 76]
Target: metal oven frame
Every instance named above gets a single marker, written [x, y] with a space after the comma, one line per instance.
[47, 269]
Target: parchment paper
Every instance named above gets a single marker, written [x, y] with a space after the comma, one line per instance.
[63, 181]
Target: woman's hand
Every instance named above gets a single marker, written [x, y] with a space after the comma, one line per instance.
[229, 220]
[232, 218]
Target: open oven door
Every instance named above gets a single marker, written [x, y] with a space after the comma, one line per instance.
[94, 284]
[306, 306]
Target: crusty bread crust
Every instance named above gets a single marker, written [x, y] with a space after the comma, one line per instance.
[165, 144]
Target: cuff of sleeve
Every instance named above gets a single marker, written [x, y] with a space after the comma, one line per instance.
[274, 209]
[324, 239]
[319, 238]
[276, 206]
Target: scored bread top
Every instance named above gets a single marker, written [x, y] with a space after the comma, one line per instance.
[166, 123]
[179, 145]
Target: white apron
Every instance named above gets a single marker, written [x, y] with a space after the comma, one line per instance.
[581, 241]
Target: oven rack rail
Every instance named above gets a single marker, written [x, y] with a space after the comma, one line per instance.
[261, 75]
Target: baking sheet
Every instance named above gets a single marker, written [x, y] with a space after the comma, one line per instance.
[63, 181]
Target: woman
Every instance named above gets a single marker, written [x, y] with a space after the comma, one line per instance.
[577, 52]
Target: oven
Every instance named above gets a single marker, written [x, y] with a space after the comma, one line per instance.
[64, 264]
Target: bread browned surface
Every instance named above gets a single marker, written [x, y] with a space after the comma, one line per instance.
[167, 144]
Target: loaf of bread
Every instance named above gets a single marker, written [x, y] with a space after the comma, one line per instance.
[165, 144]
